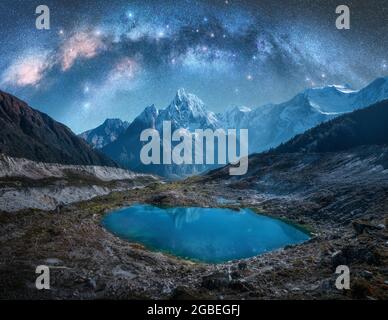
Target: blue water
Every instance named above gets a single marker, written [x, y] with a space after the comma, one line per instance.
[211, 235]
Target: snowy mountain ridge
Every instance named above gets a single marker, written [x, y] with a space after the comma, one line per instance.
[104, 134]
[268, 125]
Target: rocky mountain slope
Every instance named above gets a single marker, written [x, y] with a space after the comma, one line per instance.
[23, 168]
[28, 133]
[106, 133]
[361, 127]
[26, 184]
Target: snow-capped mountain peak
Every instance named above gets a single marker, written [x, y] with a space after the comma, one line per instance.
[343, 88]
[188, 111]
[233, 116]
[187, 102]
[236, 109]
[375, 91]
[106, 133]
[331, 99]
[149, 115]
[181, 95]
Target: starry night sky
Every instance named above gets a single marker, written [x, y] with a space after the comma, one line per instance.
[102, 59]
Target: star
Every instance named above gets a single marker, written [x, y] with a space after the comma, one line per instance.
[170, 44]
[86, 105]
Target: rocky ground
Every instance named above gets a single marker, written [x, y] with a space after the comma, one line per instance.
[347, 220]
[88, 262]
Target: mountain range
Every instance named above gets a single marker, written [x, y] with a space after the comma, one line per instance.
[31, 134]
[361, 127]
[350, 149]
[268, 125]
[104, 134]
[271, 125]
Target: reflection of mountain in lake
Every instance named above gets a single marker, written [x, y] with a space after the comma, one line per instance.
[205, 234]
[184, 216]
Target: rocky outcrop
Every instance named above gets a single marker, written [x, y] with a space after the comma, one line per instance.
[24, 168]
[26, 184]
[48, 198]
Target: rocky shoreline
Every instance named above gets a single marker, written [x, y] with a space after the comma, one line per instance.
[87, 262]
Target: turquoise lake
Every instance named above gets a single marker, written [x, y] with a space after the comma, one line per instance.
[212, 235]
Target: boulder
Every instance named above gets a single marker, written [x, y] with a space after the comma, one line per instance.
[351, 254]
[183, 293]
[360, 226]
[216, 281]
[242, 265]
[241, 286]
